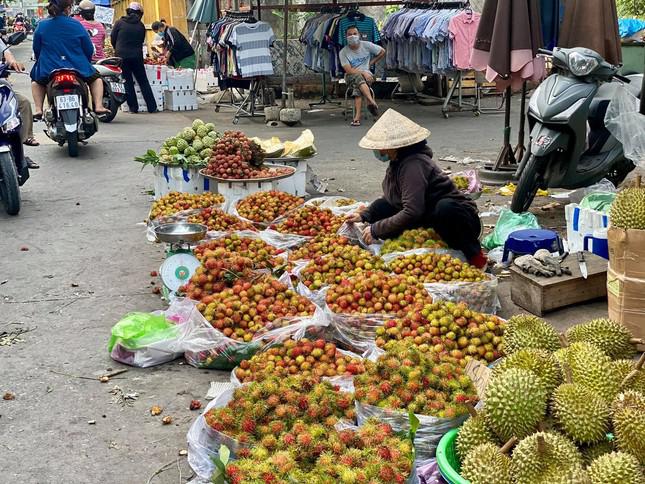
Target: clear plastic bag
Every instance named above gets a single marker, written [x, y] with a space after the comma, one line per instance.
[204, 441]
[430, 430]
[282, 241]
[507, 223]
[479, 296]
[332, 204]
[213, 350]
[625, 122]
[356, 332]
[143, 340]
[354, 233]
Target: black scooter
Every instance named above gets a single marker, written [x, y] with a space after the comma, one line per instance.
[13, 166]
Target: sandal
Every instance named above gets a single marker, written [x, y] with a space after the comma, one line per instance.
[373, 109]
[31, 141]
[355, 123]
[31, 164]
[38, 117]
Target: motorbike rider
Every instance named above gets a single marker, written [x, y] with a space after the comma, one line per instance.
[86, 18]
[24, 105]
[60, 42]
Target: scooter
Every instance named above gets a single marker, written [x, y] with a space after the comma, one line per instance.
[68, 118]
[113, 86]
[562, 154]
[13, 166]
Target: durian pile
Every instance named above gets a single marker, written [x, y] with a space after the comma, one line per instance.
[628, 209]
[191, 147]
[558, 409]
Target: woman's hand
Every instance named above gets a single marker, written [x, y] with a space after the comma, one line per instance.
[354, 218]
[367, 235]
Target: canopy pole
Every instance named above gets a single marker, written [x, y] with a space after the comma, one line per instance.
[505, 159]
[520, 149]
[284, 53]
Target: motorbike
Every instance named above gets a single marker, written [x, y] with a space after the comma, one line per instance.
[563, 153]
[19, 26]
[13, 166]
[113, 86]
[68, 118]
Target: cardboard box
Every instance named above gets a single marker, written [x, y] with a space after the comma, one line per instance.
[626, 279]
[185, 100]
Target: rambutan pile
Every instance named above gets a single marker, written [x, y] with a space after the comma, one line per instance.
[319, 454]
[304, 357]
[261, 412]
[447, 327]
[424, 383]
[261, 253]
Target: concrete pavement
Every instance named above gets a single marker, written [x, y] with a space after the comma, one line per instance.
[88, 264]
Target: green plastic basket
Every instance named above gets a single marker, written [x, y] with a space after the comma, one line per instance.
[447, 459]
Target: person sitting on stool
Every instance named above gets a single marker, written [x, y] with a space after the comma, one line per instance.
[416, 192]
[356, 58]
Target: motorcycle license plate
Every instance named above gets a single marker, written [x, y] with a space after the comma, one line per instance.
[69, 101]
[117, 87]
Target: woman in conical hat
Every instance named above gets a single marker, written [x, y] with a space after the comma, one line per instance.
[416, 192]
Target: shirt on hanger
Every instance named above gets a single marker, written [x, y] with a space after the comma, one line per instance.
[252, 42]
[463, 30]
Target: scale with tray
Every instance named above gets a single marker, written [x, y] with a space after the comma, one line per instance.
[180, 263]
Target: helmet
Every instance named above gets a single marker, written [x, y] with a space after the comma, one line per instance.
[86, 5]
[135, 6]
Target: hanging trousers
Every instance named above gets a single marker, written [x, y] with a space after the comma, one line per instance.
[135, 69]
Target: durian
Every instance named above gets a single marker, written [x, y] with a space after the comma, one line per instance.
[515, 403]
[628, 416]
[486, 464]
[628, 209]
[473, 432]
[636, 374]
[591, 368]
[540, 362]
[544, 457]
[616, 468]
[526, 331]
[577, 476]
[591, 452]
[581, 414]
[611, 337]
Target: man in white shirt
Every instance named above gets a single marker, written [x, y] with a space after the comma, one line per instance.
[357, 57]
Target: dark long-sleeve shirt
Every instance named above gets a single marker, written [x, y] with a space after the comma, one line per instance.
[413, 186]
[128, 37]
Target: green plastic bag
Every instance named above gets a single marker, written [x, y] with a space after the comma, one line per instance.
[600, 201]
[138, 330]
[507, 223]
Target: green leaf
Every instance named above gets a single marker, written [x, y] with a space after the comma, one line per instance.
[224, 454]
[414, 425]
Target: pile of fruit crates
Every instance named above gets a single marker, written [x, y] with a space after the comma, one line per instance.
[173, 89]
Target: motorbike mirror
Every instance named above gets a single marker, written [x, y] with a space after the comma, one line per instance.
[16, 38]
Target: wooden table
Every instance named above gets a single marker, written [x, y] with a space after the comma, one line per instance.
[539, 294]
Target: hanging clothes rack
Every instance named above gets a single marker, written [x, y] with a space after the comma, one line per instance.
[325, 99]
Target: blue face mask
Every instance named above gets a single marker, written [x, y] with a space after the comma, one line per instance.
[384, 158]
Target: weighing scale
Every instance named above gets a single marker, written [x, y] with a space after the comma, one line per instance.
[180, 263]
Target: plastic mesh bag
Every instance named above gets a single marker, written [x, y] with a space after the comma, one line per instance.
[624, 121]
[430, 430]
[507, 223]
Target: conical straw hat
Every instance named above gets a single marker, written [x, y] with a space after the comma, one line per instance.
[392, 131]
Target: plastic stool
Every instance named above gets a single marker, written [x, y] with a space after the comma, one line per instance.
[529, 241]
[349, 104]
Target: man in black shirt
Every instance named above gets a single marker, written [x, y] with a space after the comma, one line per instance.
[179, 51]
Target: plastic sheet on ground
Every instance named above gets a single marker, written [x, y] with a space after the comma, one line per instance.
[331, 203]
[507, 223]
[430, 430]
[625, 122]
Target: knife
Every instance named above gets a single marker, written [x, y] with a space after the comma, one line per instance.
[582, 264]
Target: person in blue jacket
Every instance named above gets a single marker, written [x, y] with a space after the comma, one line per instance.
[60, 42]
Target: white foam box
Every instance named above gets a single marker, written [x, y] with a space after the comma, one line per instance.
[205, 80]
[236, 190]
[157, 75]
[158, 94]
[178, 179]
[180, 80]
[185, 100]
[295, 184]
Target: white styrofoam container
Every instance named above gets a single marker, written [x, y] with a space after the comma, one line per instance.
[157, 92]
[582, 222]
[176, 179]
[234, 190]
[295, 184]
[181, 100]
[205, 80]
[180, 80]
[157, 75]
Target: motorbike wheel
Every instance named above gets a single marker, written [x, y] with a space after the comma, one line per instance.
[72, 144]
[110, 103]
[9, 189]
[620, 171]
[527, 186]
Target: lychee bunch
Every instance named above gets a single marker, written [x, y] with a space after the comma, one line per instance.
[341, 263]
[310, 221]
[174, 202]
[414, 239]
[262, 254]
[371, 454]
[319, 246]
[433, 267]
[272, 408]
[265, 207]
[447, 327]
[424, 383]
[247, 308]
[218, 220]
[377, 292]
[299, 357]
